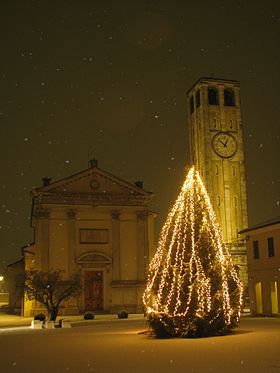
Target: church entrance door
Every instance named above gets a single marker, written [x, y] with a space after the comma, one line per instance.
[93, 290]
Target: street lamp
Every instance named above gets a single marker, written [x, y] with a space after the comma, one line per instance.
[1, 284]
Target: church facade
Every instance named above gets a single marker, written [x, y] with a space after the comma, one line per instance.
[99, 225]
[216, 149]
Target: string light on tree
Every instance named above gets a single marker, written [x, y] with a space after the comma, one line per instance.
[193, 288]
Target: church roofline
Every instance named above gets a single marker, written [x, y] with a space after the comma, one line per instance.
[21, 260]
[50, 186]
[211, 79]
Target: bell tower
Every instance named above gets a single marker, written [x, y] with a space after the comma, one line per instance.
[216, 148]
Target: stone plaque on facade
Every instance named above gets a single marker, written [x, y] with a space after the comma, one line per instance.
[94, 236]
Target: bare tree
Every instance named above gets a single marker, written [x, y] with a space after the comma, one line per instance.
[50, 289]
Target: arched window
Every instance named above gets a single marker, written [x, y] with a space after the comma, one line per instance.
[229, 97]
[213, 96]
[197, 98]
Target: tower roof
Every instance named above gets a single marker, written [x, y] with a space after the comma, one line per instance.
[213, 80]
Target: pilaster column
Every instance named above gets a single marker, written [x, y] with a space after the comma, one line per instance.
[116, 254]
[71, 223]
[227, 231]
[142, 244]
[42, 239]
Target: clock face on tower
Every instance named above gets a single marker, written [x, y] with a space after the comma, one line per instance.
[224, 144]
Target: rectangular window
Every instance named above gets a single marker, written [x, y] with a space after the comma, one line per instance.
[270, 245]
[256, 249]
[94, 236]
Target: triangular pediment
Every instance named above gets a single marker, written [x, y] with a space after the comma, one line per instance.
[92, 184]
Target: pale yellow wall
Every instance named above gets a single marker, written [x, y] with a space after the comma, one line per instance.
[99, 221]
[58, 243]
[128, 246]
[264, 270]
[261, 235]
[62, 234]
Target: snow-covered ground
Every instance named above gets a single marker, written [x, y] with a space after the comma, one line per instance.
[117, 347]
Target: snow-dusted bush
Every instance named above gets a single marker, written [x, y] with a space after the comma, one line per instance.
[40, 317]
[122, 314]
[89, 315]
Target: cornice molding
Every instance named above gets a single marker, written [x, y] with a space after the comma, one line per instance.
[41, 213]
[92, 198]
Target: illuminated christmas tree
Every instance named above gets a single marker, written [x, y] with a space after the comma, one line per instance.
[193, 289]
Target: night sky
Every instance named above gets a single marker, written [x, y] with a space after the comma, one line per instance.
[108, 80]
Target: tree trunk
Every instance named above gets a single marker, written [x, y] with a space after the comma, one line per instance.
[53, 313]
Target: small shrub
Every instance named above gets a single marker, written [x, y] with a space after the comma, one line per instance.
[122, 315]
[40, 317]
[89, 315]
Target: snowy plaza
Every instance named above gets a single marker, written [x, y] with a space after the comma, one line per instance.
[119, 346]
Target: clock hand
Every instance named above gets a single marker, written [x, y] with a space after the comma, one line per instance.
[225, 144]
[221, 142]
